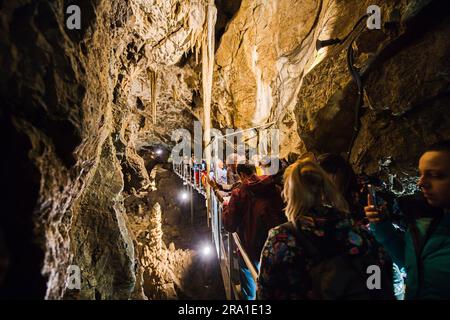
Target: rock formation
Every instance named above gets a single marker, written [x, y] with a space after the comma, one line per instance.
[78, 105]
[268, 69]
[83, 110]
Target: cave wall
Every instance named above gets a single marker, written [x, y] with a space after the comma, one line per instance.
[50, 98]
[78, 107]
[81, 109]
[268, 69]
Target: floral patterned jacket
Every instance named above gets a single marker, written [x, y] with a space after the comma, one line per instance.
[285, 266]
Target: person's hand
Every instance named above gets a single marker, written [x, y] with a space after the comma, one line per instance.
[219, 197]
[374, 214]
[226, 200]
[211, 182]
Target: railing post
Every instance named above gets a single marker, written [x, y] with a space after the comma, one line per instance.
[218, 212]
[192, 205]
[230, 262]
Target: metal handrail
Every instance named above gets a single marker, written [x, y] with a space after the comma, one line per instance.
[247, 260]
[226, 252]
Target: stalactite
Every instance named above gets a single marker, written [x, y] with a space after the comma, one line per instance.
[263, 92]
[207, 71]
[207, 79]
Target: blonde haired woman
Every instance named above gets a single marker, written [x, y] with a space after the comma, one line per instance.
[318, 230]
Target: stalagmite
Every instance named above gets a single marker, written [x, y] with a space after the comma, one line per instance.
[155, 230]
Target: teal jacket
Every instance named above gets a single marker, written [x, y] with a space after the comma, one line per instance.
[428, 277]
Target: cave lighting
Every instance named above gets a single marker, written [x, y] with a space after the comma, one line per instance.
[206, 250]
[184, 195]
[158, 152]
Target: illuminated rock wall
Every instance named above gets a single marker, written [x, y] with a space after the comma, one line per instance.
[268, 69]
[78, 106]
[82, 109]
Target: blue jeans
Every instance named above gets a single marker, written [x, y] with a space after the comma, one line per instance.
[248, 284]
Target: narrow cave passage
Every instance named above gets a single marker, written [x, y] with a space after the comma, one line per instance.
[173, 234]
[124, 122]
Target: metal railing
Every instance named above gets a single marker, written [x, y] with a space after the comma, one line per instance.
[227, 245]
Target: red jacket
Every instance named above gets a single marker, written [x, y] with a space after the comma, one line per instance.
[254, 208]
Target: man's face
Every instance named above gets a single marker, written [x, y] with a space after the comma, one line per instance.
[220, 165]
[434, 170]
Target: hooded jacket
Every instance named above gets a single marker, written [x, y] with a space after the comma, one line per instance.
[286, 265]
[254, 208]
[425, 255]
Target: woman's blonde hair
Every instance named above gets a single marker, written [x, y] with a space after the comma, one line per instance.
[307, 186]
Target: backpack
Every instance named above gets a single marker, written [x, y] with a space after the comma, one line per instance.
[341, 276]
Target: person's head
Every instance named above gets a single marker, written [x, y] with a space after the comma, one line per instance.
[232, 162]
[264, 162]
[340, 172]
[292, 157]
[220, 164]
[255, 160]
[307, 155]
[270, 164]
[245, 170]
[307, 186]
[434, 171]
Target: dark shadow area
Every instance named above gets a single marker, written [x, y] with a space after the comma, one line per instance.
[429, 18]
[89, 18]
[203, 280]
[226, 10]
[22, 257]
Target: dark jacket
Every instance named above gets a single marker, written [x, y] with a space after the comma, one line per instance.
[254, 208]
